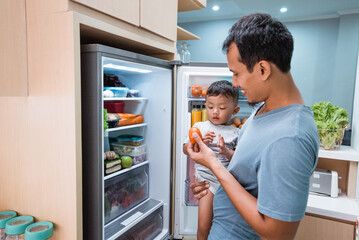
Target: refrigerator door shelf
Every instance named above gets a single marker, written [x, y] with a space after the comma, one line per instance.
[126, 222]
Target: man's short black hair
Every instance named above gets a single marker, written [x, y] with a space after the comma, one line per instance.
[224, 88]
[260, 37]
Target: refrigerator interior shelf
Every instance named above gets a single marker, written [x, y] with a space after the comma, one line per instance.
[126, 127]
[139, 99]
[122, 171]
[125, 222]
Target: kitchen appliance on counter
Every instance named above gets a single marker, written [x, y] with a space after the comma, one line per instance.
[324, 182]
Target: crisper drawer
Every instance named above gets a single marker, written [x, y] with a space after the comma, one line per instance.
[147, 229]
[125, 191]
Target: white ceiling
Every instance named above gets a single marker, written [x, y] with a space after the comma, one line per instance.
[297, 9]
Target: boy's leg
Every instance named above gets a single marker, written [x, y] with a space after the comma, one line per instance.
[205, 216]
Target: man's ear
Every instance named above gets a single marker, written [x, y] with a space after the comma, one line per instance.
[265, 69]
[236, 110]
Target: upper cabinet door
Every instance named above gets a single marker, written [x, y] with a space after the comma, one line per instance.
[160, 17]
[126, 10]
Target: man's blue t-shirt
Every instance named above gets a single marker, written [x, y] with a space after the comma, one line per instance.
[276, 154]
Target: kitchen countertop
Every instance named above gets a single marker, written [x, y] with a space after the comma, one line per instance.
[340, 207]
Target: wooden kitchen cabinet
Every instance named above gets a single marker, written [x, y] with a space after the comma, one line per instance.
[13, 57]
[318, 228]
[126, 10]
[160, 17]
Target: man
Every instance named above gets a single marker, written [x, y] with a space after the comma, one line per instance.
[264, 191]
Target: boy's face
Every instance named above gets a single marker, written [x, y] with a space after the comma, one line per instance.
[220, 109]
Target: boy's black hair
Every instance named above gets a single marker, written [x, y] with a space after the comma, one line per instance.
[261, 37]
[224, 88]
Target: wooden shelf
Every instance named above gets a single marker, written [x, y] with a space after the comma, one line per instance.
[189, 5]
[183, 34]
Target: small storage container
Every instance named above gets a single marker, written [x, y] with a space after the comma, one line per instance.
[136, 158]
[15, 228]
[125, 191]
[118, 91]
[147, 229]
[114, 107]
[126, 150]
[133, 93]
[4, 217]
[39, 231]
[130, 140]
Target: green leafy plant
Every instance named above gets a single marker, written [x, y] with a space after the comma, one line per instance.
[105, 125]
[331, 122]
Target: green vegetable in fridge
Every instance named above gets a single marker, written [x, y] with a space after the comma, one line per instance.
[330, 121]
[105, 125]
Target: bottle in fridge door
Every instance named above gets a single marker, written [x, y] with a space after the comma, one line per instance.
[126, 149]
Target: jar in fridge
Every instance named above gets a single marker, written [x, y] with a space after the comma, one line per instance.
[39, 231]
[4, 217]
[15, 227]
[196, 114]
[204, 114]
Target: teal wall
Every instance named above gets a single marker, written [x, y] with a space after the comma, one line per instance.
[324, 59]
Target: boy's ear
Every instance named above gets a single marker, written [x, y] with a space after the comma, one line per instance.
[236, 110]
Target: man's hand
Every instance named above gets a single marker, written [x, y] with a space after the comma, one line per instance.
[199, 189]
[201, 153]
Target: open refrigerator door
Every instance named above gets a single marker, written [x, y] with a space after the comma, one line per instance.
[126, 148]
[198, 76]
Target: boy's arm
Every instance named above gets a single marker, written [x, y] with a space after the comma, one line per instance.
[228, 153]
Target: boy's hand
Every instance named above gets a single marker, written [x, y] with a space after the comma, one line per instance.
[208, 137]
[222, 148]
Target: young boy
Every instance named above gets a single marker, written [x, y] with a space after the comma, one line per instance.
[221, 104]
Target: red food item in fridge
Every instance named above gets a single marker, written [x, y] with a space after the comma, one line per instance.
[196, 91]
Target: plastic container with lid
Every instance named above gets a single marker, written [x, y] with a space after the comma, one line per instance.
[133, 93]
[130, 140]
[39, 231]
[118, 91]
[15, 227]
[125, 149]
[114, 107]
[4, 217]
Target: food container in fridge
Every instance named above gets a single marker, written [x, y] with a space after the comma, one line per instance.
[118, 91]
[125, 149]
[129, 140]
[136, 158]
[133, 93]
[125, 191]
[147, 229]
[114, 107]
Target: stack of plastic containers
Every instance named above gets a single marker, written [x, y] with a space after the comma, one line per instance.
[13, 227]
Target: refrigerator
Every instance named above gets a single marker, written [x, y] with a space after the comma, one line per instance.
[151, 199]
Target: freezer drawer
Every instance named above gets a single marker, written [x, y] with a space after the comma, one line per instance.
[147, 229]
[125, 191]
